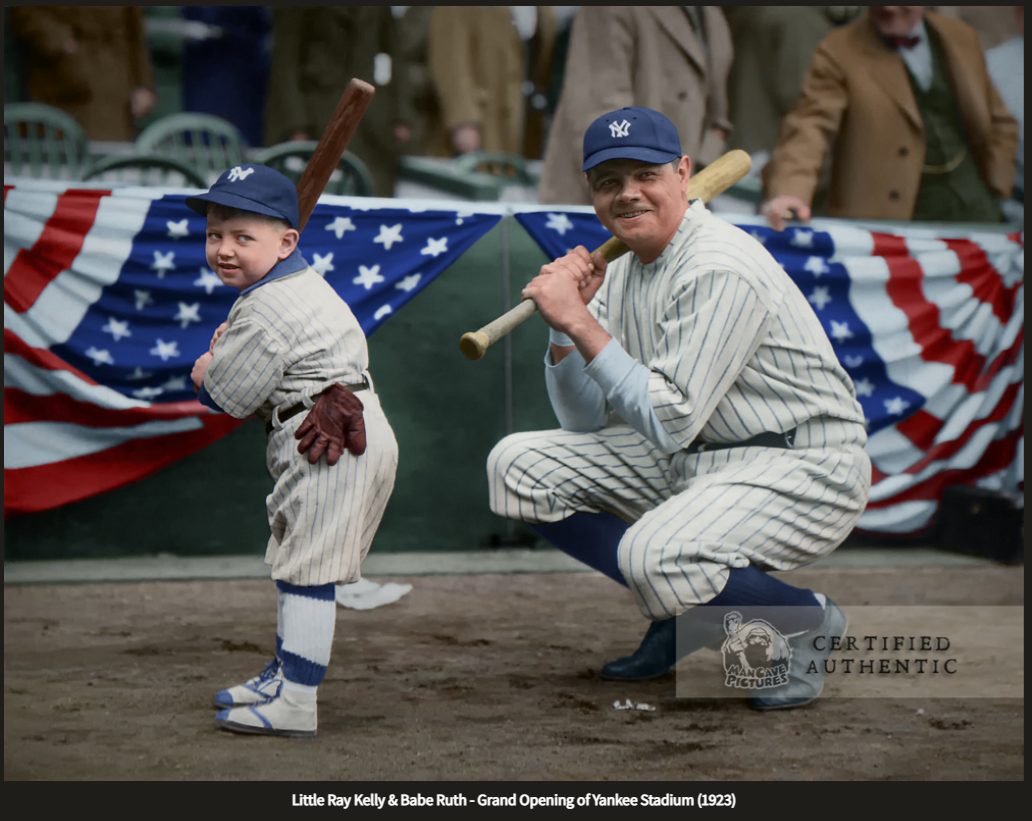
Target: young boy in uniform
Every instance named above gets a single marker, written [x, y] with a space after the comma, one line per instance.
[289, 339]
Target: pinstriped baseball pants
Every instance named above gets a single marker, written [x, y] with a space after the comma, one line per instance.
[693, 516]
[323, 519]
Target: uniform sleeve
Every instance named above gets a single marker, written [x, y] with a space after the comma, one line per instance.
[576, 398]
[808, 130]
[248, 364]
[711, 329]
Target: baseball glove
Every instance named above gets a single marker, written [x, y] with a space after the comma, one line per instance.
[333, 425]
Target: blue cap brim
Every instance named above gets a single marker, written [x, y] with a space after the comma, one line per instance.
[629, 152]
[199, 205]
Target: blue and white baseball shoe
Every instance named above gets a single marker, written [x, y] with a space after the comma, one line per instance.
[806, 667]
[265, 685]
[291, 714]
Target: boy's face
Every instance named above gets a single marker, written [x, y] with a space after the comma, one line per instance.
[242, 250]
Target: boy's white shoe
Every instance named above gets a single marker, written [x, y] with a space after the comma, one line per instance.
[265, 685]
[291, 714]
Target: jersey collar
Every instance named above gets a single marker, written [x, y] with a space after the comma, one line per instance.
[291, 265]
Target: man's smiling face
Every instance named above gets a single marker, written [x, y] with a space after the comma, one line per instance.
[640, 203]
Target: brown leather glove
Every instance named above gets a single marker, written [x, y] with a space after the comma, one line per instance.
[333, 424]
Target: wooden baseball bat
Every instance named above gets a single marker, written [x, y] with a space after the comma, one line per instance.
[712, 180]
[341, 128]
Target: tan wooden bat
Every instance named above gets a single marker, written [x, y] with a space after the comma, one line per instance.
[712, 180]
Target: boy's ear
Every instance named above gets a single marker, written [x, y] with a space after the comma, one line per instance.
[288, 242]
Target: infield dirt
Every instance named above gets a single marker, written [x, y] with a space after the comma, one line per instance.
[466, 677]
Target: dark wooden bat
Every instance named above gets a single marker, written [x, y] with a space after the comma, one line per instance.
[353, 104]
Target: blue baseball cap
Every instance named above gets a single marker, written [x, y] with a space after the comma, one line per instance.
[631, 134]
[255, 188]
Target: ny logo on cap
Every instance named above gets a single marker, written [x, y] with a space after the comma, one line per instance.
[239, 173]
[619, 129]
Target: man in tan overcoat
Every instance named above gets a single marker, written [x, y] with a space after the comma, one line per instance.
[90, 61]
[859, 103]
[673, 59]
[316, 52]
[476, 61]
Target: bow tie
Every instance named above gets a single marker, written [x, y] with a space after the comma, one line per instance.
[902, 42]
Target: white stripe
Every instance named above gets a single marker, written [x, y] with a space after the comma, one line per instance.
[42, 382]
[31, 444]
[902, 518]
[65, 301]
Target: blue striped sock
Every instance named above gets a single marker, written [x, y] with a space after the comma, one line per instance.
[309, 615]
[591, 538]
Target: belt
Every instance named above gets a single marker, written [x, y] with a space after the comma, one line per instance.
[762, 440]
[294, 410]
[946, 167]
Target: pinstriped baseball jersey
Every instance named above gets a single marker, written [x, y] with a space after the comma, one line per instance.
[286, 341]
[734, 350]
[733, 346]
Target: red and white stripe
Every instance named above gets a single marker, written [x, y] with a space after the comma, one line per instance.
[66, 437]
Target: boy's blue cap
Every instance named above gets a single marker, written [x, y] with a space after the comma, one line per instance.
[631, 134]
[255, 188]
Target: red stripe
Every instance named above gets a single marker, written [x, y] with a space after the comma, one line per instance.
[30, 490]
[944, 450]
[937, 343]
[998, 455]
[33, 269]
[40, 357]
[986, 283]
[6, 189]
[22, 407]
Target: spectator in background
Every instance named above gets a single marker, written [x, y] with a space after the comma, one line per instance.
[419, 111]
[234, 55]
[316, 51]
[1006, 65]
[882, 95]
[673, 59]
[476, 61]
[90, 61]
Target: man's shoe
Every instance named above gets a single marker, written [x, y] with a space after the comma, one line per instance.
[265, 685]
[666, 642]
[291, 714]
[803, 687]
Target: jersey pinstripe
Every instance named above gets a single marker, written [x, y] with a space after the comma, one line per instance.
[285, 342]
[733, 350]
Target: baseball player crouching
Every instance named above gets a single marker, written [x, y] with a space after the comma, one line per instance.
[291, 343]
[736, 444]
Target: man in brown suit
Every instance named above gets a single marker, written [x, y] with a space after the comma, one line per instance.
[90, 61]
[673, 59]
[316, 51]
[908, 140]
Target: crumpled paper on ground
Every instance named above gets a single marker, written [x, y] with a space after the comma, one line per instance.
[366, 594]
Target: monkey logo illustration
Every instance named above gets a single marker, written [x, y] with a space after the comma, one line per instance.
[756, 655]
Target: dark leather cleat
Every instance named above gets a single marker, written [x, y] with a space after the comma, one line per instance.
[808, 653]
[665, 644]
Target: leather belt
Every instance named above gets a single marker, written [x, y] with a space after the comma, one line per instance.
[294, 410]
[762, 440]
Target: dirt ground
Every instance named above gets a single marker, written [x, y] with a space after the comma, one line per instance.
[466, 678]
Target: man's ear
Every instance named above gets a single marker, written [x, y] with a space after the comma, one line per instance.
[684, 171]
[288, 242]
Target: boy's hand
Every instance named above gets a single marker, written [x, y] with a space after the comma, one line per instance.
[219, 331]
[334, 423]
[199, 367]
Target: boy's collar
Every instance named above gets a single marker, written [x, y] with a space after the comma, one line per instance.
[291, 265]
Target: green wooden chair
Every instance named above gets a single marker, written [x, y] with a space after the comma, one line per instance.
[204, 141]
[43, 141]
[145, 169]
[509, 169]
[350, 178]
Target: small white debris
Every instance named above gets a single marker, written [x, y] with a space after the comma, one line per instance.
[920, 711]
[625, 706]
[630, 705]
[648, 708]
